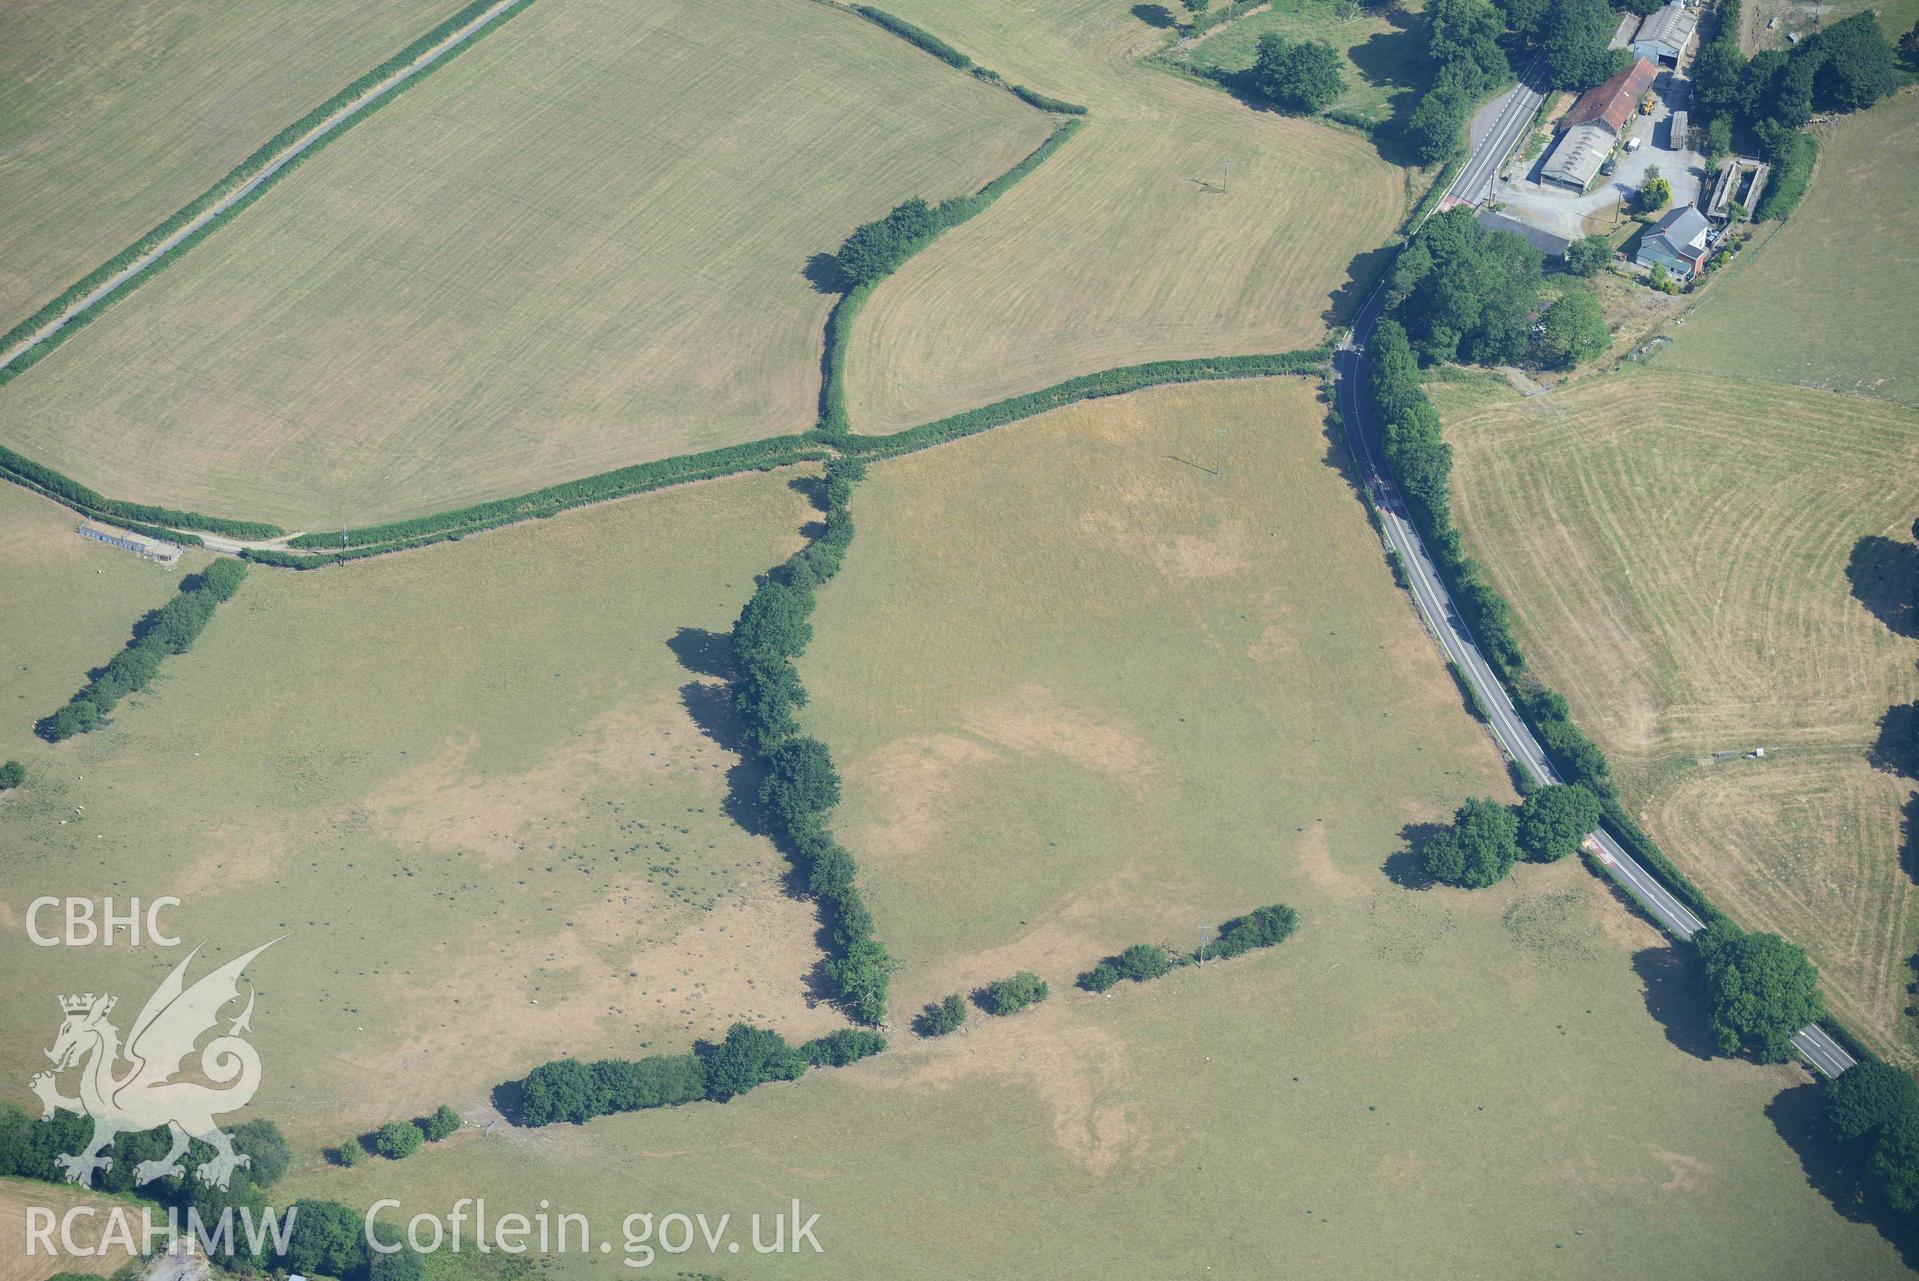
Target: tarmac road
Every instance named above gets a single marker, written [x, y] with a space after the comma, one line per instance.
[1509, 127]
[1456, 637]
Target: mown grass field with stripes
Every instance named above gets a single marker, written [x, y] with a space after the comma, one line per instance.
[1703, 565]
[1085, 693]
[1179, 223]
[574, 247]
[1828, 301]
[114, 115]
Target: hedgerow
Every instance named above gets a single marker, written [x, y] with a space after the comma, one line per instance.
[1111, 382]
[170, 629]
[1791, 175]
[71, 493]
[919, 36]
[1045, 102]
[877, 249]
[260, 158]
[377, 540]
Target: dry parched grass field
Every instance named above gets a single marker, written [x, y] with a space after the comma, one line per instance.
[1828, 302]
[577, 246]
[1086, 693]
[478, 789]
[1126, 246]
[1704, 565]
[114, 115]
[69, 604]
[17, 1196]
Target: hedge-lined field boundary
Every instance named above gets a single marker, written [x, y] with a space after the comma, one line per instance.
[945, 216]
[423, 531]
[1405, 409]
[155, 522]
[260, 159]
[920, 38]
[1110, 382]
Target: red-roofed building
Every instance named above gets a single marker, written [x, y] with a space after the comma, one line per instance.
[1611, 104]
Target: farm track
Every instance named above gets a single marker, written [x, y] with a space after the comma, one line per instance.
[299, 147]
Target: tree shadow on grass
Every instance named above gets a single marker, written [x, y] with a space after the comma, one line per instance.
[1909, 852]
[1895, 751]
[1155, 15]
[702, 652]
[509, 1101]
[824, 273]
[1405, 868]
[1833, 1169]
[1674, 997]
[1363, 273]
[711, 706]
[812, 488]
[1884, 575]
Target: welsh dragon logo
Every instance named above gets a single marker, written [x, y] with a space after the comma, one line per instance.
[143, 1095]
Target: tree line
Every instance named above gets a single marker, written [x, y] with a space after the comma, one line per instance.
[802, 786]
[1462, 39]
[397, 1140]
[1266, 926]
[567, 1090]
[325, 1237]
[170, 629]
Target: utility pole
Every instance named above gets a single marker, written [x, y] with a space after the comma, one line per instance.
[1226, 177]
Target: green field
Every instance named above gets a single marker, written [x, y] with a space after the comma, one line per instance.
[1085, 693]
[1384, 61]
[1702, 565]
[473, 786]
[1827, 302]
[575, 247]
[1133, 243]
[114, 115]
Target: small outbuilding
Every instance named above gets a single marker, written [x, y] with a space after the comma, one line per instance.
[1678, 242]
[154, 549]
[1575, 161]
[1666, 36]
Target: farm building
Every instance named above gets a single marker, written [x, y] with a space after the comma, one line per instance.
[1575, 161]
[1666, 35]
[1677, 243]
[1623, 34]
[1740, 183]
[153, 549]
[1611, 103]
[1538, 237]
